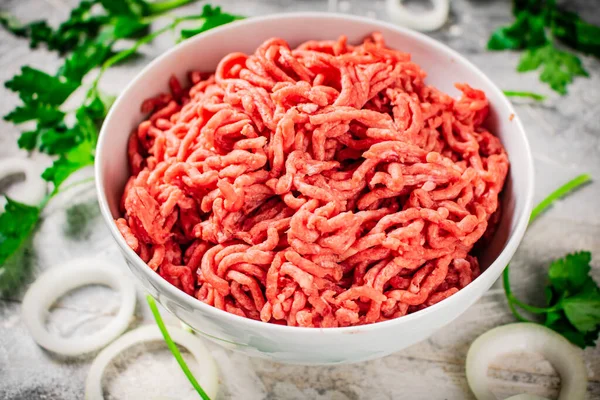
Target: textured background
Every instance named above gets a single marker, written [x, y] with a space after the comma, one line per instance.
[565, 136]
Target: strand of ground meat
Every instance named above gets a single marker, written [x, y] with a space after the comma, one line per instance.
[320, 186]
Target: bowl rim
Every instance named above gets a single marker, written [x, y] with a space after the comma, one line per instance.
[163, 286]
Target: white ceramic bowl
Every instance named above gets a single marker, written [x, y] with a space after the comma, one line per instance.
[312, 345]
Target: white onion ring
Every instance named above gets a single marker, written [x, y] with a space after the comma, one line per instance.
[526, 337]
[31, 191]
[426, 21]
[57, 281]
[207, 373]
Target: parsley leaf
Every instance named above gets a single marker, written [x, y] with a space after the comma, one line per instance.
[141, 8]
[77, 143]
[41, 95]
[99, 104]
[571, 272]
[43, 113]
[559, 67]
[569, 28]
[83, 60]
[28, 140]
[17, 222]
[123, 7]
[557, 321]
[92, 53]
[124, 27]
[12, 24]
[39, 32]
[77, 158]
[80, 25]
[213, 17]
[34, 84]
[57, 140]
[50, 140]
[583, 308]
[526, 31]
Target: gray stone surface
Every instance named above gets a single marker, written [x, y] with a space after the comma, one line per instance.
[565, 137]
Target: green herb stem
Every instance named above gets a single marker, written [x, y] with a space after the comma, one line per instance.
[167, 5]
[531, 95]
[559, 193]
[74, 184]
[510, 297]
[173, 347]
[562, 191]
[533, 309]
[123, 54]
[46, 199]
[120, 56]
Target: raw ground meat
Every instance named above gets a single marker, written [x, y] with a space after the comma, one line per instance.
[321, 186]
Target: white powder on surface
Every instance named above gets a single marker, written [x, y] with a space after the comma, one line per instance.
[148, 368]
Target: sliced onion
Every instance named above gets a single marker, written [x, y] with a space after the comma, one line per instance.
[422, 21]
[56, 282]
[526, 337]
[208, 374]
[32, 190]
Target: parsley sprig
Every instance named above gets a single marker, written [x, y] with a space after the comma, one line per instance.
[572, 296]
[87, 40]
[538, 26]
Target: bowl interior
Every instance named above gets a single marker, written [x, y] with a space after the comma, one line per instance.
[443, 66]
